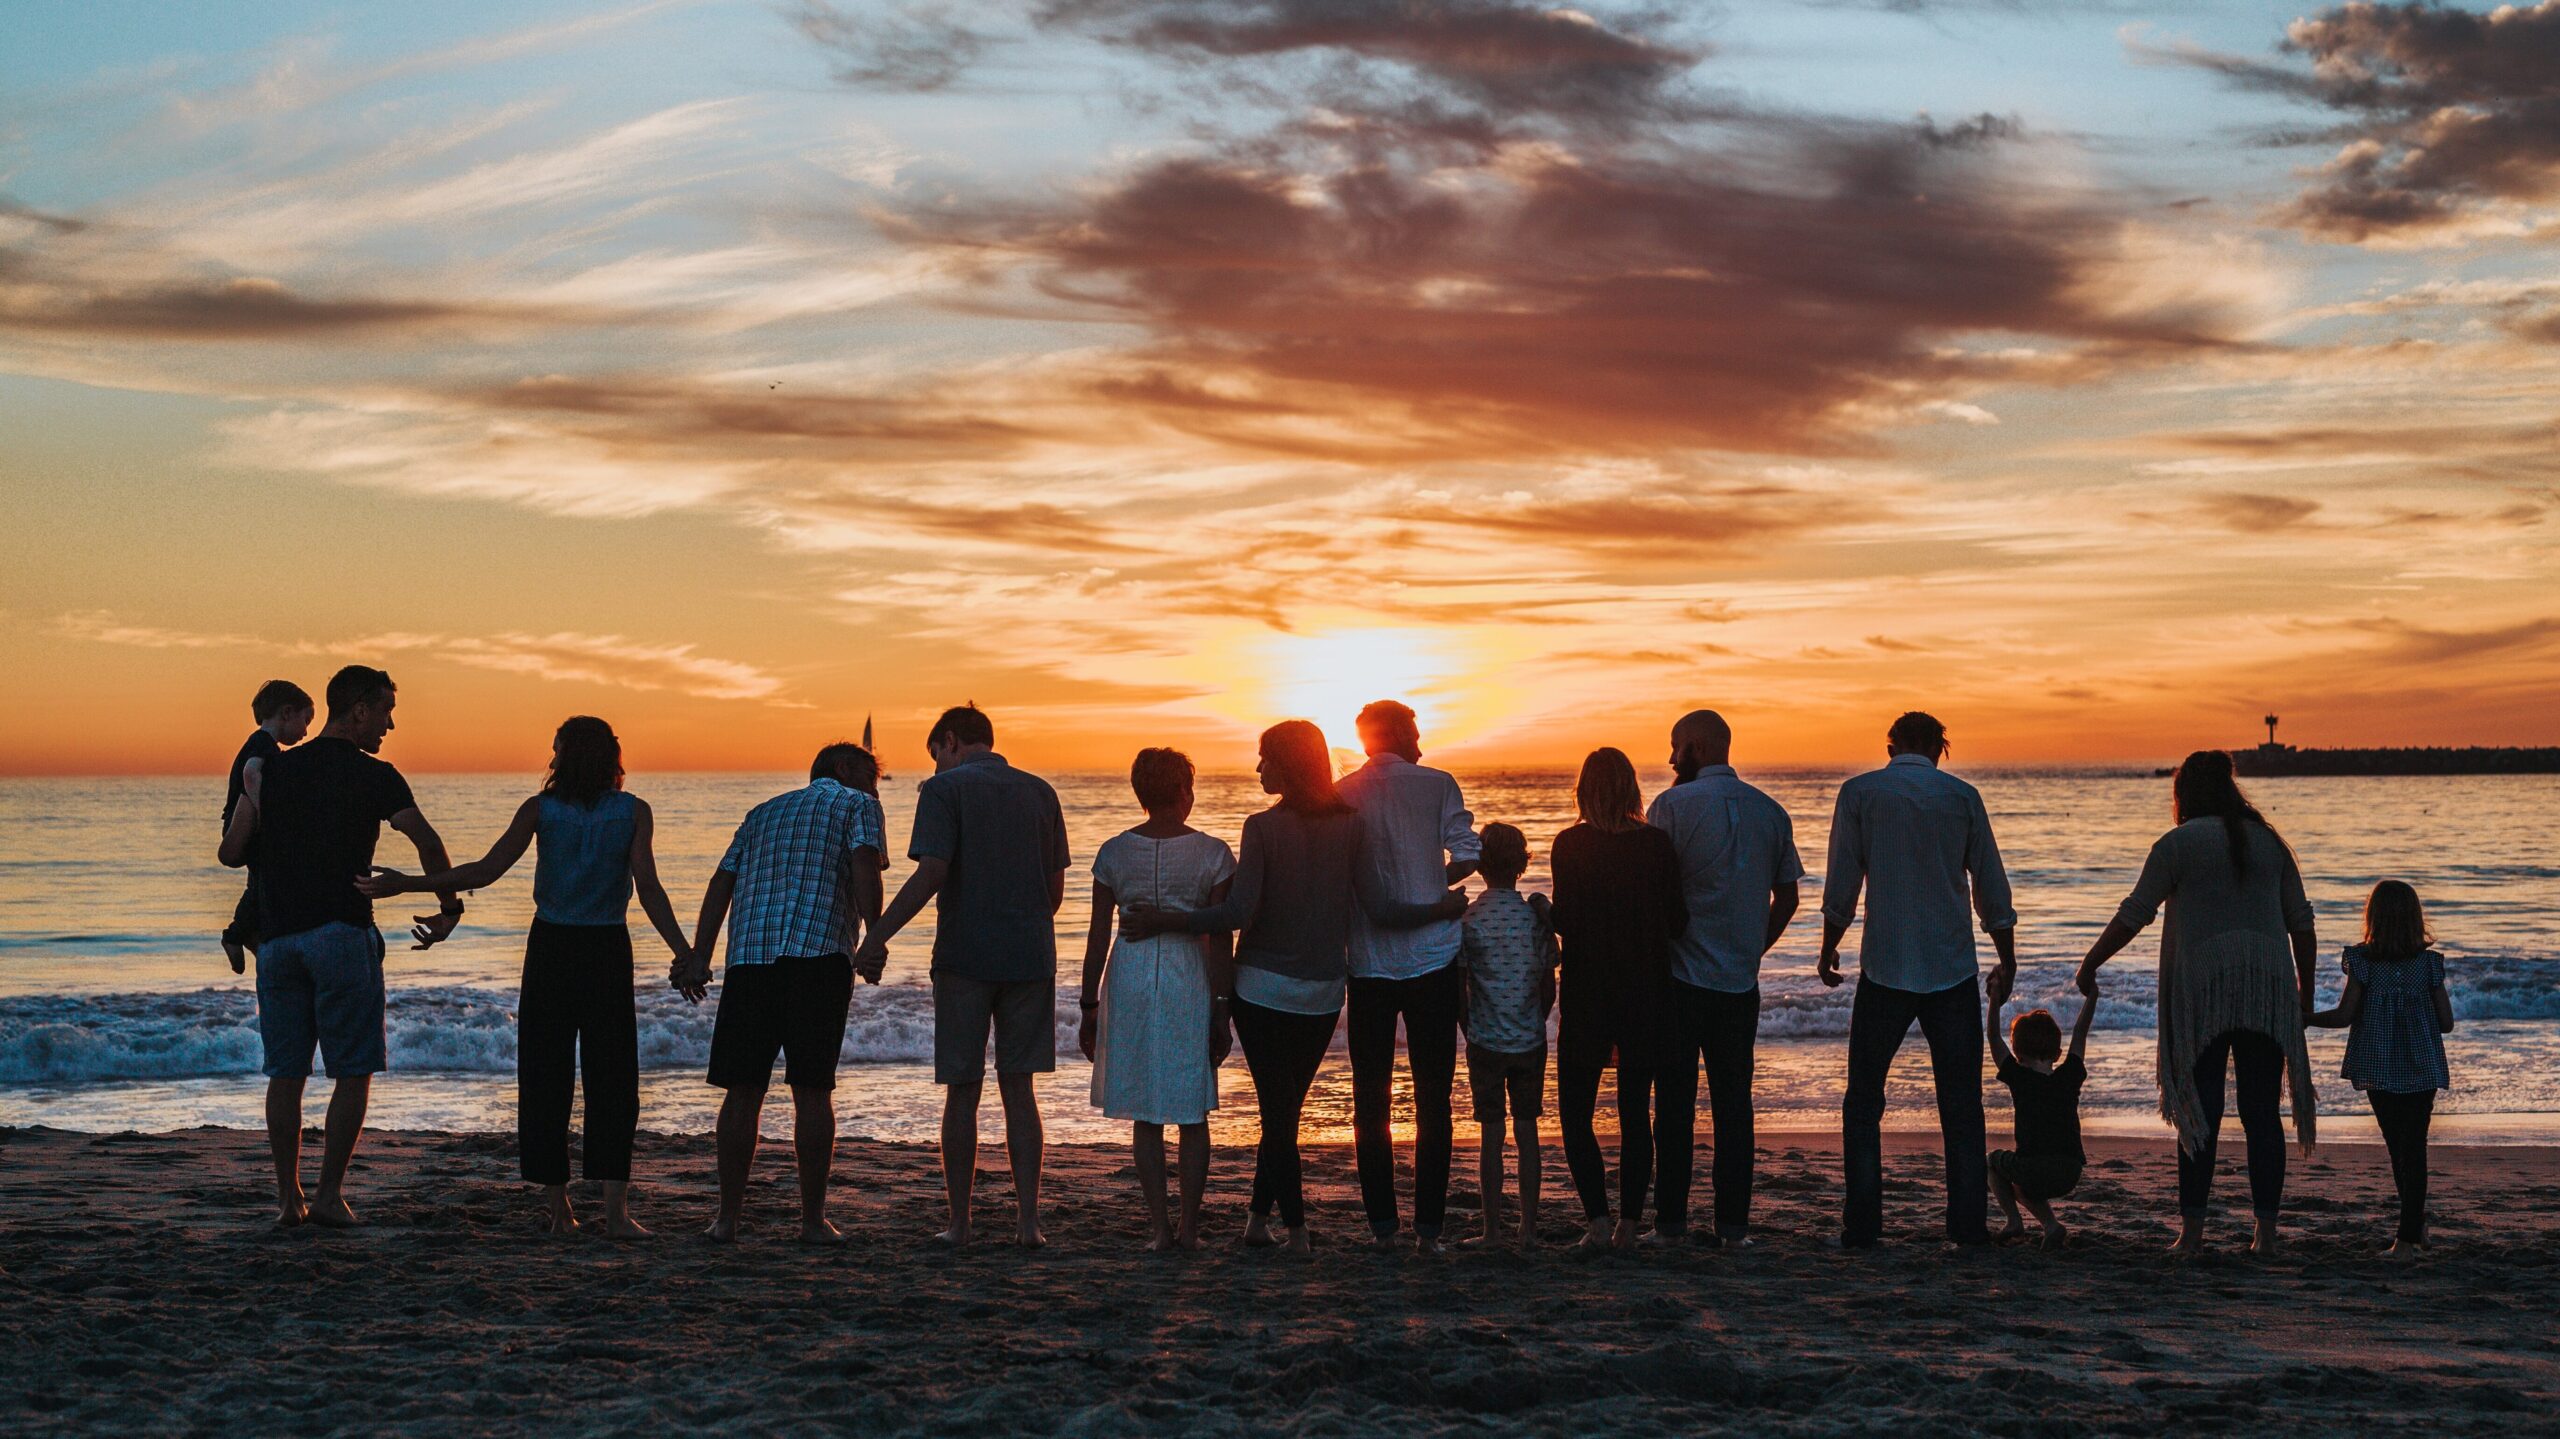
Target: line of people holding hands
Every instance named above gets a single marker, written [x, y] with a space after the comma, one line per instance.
[1344, 904]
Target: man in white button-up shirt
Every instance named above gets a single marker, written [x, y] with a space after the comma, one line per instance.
[1919, 840]
[1739, 877]
[1418, 839]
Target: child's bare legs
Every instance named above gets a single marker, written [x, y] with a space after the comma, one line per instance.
[2053, 1232]
[1148, 1140]
[1488, 1181]
[618, 1223]
[557, 1217]
[1524, 1129]
[1195, 1183]
[2007, 1194]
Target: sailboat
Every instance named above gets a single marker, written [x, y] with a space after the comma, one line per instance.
[875, 754]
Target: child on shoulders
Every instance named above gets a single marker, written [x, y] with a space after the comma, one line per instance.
[1508, 950]
[2396, 1014]
[2044, 1094]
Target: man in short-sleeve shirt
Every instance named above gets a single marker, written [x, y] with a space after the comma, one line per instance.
[990, 846]
[1739, 876]
[802, 874]
[314, 819]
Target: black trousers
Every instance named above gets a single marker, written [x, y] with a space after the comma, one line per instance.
[1429, 1008]
[243, 929]
[1282, 1051]
[1722, 1030]
[1951, 1020]
[576, 1011]
[1577, 1099]
[2404, 1119]
[2260, 1062]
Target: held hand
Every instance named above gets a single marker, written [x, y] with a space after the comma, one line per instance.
[2087, 980]
[692, 978]
[1829, 968]
[1142, 921]
[384, 882]
[1085, 1032]
[1222, 1040]
[1454, 903]
[870, 960]
[431, 930]
[2003, 982]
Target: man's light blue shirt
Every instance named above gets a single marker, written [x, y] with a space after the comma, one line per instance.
[1919, 840]
[1735, 845]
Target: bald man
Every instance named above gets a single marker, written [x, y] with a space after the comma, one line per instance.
[1739, 875]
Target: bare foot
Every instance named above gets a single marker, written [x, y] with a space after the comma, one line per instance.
[956, 1237]
[1384, 1243]
[2406, 1250]
[239, 957]
[559, 1225]
[330, 1211]
[1257, 1233]
[1625, 1238]
[819, 1231]
[2190, 1239]
[623, 1226]
[1429, 1244]
[292, 1214]
[2263, 1243]
[1528, 1239]
[1598, 1237]
[724, 1228]
[1187, 1239]
[2011, 1232]
[1489, 1239]
[1162, 1243]
[1300, 1241]
[2054, 1237]
[1028, 1236]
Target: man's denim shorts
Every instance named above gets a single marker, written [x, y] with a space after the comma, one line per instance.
[322, 987]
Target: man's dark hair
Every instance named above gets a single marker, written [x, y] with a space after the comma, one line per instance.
[1918, 732]
[1394, 725]
[1506, 851]
[355, 685]
[1159, 776]
[963, 724]
[848, 760]
[2036, 1035]
[275, 697]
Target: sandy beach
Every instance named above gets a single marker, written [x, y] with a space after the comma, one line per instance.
[142, 1269]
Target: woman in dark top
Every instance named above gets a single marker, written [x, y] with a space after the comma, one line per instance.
[1297, 877]
[1617, 908]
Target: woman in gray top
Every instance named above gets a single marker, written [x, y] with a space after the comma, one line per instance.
[1298, 873]
[2236, 959]
[575, 1009]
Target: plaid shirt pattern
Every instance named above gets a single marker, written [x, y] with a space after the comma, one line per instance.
[792, 858]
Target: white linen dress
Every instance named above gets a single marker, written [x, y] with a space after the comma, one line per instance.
[1151, 1047]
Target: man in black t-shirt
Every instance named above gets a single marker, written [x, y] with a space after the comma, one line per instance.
[314, 818]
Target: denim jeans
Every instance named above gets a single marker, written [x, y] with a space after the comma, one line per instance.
[1951, 1019]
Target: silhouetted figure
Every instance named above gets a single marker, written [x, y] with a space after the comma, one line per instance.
[1739, 879]
[283, 713]
[990, 844]
[574, 1007]
[308, 834]
[2231, 995]
[1617, 910]
[1418, 840]
[2044, 1098]
[1152, 1013]
[2396, 1014]
[1919, 842]
[1509, 954]
[803, 875]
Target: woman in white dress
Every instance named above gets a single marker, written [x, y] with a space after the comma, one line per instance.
[1154, 1010]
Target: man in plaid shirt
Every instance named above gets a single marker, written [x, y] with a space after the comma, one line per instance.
[803, 872]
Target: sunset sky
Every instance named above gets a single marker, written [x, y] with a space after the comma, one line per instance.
[2099, 376]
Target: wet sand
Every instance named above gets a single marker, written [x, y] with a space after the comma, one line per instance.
[144, 1287]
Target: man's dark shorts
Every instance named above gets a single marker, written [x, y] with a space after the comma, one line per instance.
[1023, 1014]
[2038, 1176]
[1492, 1074]
[322, 986]
[794, 1007]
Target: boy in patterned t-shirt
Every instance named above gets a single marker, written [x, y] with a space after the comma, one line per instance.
[1509, 955]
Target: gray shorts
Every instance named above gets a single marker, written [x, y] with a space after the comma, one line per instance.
[1022, 1013]
[322, 986]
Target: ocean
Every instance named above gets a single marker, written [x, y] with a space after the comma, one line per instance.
[118, 1012]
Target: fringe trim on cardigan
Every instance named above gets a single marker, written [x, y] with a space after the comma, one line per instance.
[2237, 980]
